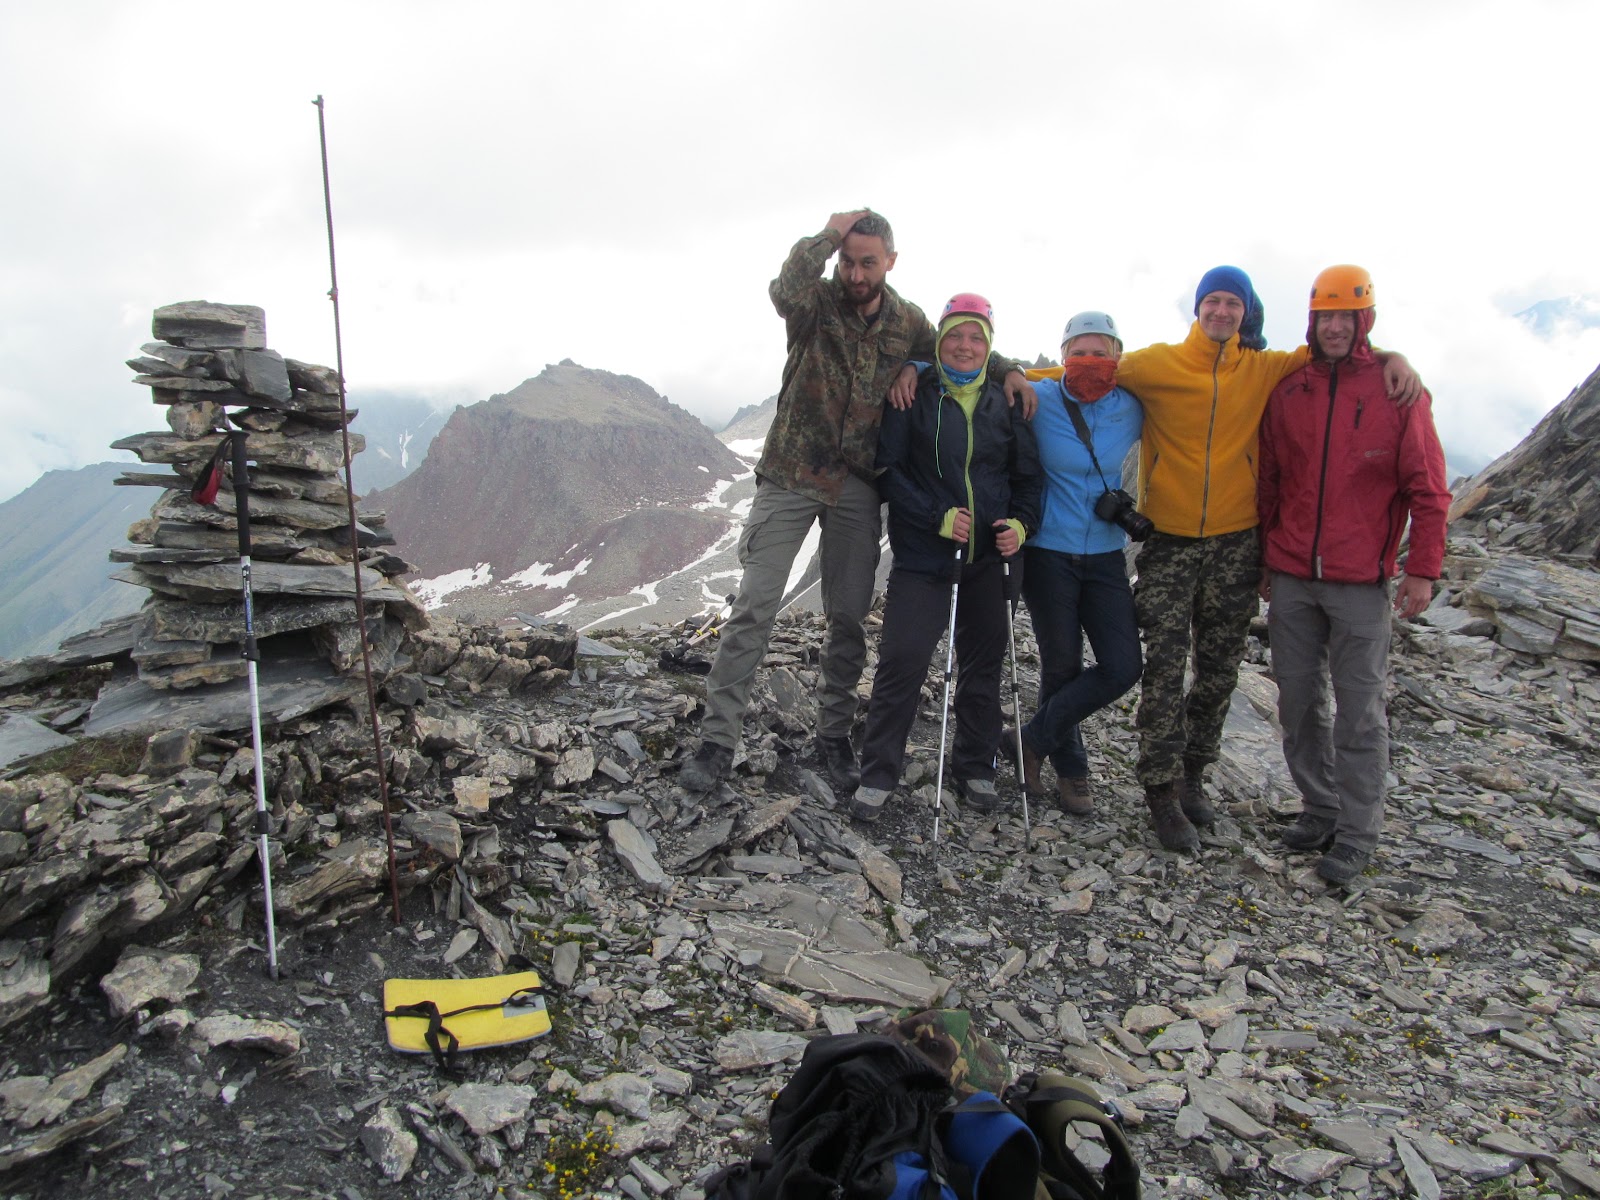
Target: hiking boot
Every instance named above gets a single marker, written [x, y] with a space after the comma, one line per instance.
[709, 766]
[838, 758]
[868, 802]
[980, 795]
[1310, 832]
[1195, 805]
[1030, 771]
[1172, 828]
[1343, 863]
[1077, 797]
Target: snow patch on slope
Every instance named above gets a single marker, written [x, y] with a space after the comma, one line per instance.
[540, 575]
[432, 592]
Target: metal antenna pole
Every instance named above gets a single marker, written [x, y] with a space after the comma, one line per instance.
[355, 540]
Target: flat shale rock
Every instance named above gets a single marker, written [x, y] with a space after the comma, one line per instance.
[26, 1151]
[50, 1102]
[24, 983]
[635, 853]
[391, 1145]
[1442, 927]
[203, 325]
[622, 1091]
[363, 865]
[1424, 1183]
[1211, 1100]
[142, 976]
[1309, 1166]
[225, 1029]
[658, 1133]
[1367, 1145]
[486, 1107]
[289, 687]
[438, 831]
[747, 1049]
[22, 738]
[1458, 1160]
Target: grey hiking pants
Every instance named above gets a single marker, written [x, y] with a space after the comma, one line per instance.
[777, 527]
[1336, 633]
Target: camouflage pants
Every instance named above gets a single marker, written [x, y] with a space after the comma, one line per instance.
[1194, 598]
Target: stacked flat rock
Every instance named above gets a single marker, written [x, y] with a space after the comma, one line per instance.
[211, 370]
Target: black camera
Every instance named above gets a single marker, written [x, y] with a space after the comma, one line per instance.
[1116, 506]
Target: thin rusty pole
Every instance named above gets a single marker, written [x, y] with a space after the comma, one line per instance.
[355, 541]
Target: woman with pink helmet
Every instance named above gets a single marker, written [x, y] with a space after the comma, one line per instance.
[960, 472]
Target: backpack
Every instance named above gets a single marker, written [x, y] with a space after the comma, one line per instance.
[867, 1117]
[909, 1116]
[1049, 1103]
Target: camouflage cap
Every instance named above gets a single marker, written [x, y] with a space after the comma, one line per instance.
[948, 1039]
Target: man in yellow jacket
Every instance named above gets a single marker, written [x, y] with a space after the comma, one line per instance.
[1196, 592]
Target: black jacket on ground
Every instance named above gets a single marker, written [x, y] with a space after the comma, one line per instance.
[925, 471]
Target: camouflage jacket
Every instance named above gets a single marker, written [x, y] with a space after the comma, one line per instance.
[837, 375]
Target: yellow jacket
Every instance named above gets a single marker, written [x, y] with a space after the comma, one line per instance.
[1203, 402]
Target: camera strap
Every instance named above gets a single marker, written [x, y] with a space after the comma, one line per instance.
[1084, 436]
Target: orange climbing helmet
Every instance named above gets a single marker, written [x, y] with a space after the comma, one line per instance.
[1342, 287]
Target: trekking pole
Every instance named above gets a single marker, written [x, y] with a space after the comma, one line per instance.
[355, 540]
[944, 711]
[713, 623]
[252, 655]
[1016, 697]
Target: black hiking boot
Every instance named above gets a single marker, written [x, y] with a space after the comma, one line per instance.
[1195, 804]
[1173, 829]
[979, 795]
[838, 758]
[709, 766]
[1343, 863]
[868, 802]
[1309, 833]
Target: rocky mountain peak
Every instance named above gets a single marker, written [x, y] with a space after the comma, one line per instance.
[578, 474]
[566, 391]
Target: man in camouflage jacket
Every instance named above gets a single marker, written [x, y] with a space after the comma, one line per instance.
[848, 336]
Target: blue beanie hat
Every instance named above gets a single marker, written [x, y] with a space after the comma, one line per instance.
[1224, 279]
[1235, 281]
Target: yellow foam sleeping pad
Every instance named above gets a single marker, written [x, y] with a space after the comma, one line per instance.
[442, 1016]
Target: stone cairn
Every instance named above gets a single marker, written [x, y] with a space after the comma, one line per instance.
[211, 370]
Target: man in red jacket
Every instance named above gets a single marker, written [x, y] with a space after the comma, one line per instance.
[1341, 470]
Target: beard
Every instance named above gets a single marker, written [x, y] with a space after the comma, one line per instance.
[861, 296]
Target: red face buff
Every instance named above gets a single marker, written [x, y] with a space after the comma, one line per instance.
[1089, 378]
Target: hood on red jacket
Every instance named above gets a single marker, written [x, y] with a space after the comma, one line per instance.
[1366, 318]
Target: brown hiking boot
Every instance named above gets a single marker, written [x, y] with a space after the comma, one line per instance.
[1077, 797]
[1030, 772]
[1195, 804]
[1173, 829]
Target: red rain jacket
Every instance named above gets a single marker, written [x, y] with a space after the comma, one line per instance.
[1342, 467]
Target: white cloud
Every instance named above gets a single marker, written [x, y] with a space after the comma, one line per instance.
[517, 184]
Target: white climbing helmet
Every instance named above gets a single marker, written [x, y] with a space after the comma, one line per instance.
[1092, 322]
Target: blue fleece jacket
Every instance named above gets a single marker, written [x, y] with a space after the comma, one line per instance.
[1072, 486]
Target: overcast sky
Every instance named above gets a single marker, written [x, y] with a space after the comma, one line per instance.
[617, 183]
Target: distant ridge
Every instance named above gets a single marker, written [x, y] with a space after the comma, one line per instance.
[54, 573]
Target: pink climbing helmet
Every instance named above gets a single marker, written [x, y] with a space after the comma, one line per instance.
[968, 303]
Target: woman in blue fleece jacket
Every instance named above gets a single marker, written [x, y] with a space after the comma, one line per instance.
[1075, 579]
